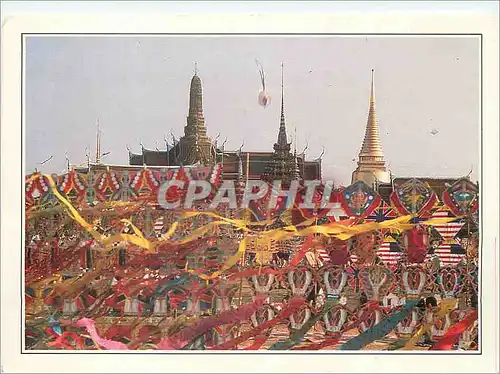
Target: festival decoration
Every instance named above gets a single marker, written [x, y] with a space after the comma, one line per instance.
[365, 246]
[408, 326]
[461, 198]
[334, 278]
[359, 200]
[337, 251]
[413, 197]
[335, 319]
[416, 242]
[449, 280]
[414, 280]
[300, 281]
[104, 259]
[375, 280]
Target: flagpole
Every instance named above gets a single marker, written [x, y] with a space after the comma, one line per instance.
[242, 261]
[222, 158]
[248, 165]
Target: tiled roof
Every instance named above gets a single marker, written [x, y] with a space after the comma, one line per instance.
[258, 162]
[312, 170]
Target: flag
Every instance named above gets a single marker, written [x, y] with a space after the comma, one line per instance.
[383, 213]
[449, 250]
[448, 231]
[323, 255]
[390, 252]
[159, 224]
[449, 254]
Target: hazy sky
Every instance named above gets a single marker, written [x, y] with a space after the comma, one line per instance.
[138, 87]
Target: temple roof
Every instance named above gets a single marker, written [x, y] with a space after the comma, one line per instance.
[150, 157]
[259, 161]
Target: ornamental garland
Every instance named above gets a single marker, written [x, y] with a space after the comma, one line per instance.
[107, 268]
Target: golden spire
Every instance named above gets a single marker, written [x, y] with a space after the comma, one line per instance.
[372, 147]
[371, 165]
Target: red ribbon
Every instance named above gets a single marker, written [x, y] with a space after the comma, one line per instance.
[229, 317]
[258, 342]
[453, 334]
[293, 305]
[62, 342]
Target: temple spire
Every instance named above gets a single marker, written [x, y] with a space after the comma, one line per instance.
[372, 147]
[98, 144]
[282, 138]
[195, 120]
[371, 164]
[283, 164]
[195, 146]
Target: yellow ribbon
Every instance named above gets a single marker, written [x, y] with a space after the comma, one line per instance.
[445, 307]
[336, 229]
[233, 260]
[438, 221]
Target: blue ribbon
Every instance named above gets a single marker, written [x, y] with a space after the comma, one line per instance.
[55, 325]
[378, 331]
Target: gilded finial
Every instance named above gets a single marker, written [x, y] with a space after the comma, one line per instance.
[372, 92]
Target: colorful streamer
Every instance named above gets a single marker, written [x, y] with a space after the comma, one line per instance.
[379, 330]
[453, 334]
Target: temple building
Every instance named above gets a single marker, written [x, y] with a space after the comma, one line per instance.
[196, 147]
[371, 164]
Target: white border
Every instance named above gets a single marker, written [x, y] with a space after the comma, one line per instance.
[12, 188]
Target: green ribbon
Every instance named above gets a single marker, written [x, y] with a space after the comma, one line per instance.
[298, 336]
[378, 331]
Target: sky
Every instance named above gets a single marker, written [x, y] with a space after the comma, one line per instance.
[427, 97]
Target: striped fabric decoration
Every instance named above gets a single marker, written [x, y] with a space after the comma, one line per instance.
[389, 252]
[449, 251]
[323, 255]
[448, 231]
[158, 226]
[449, 254]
